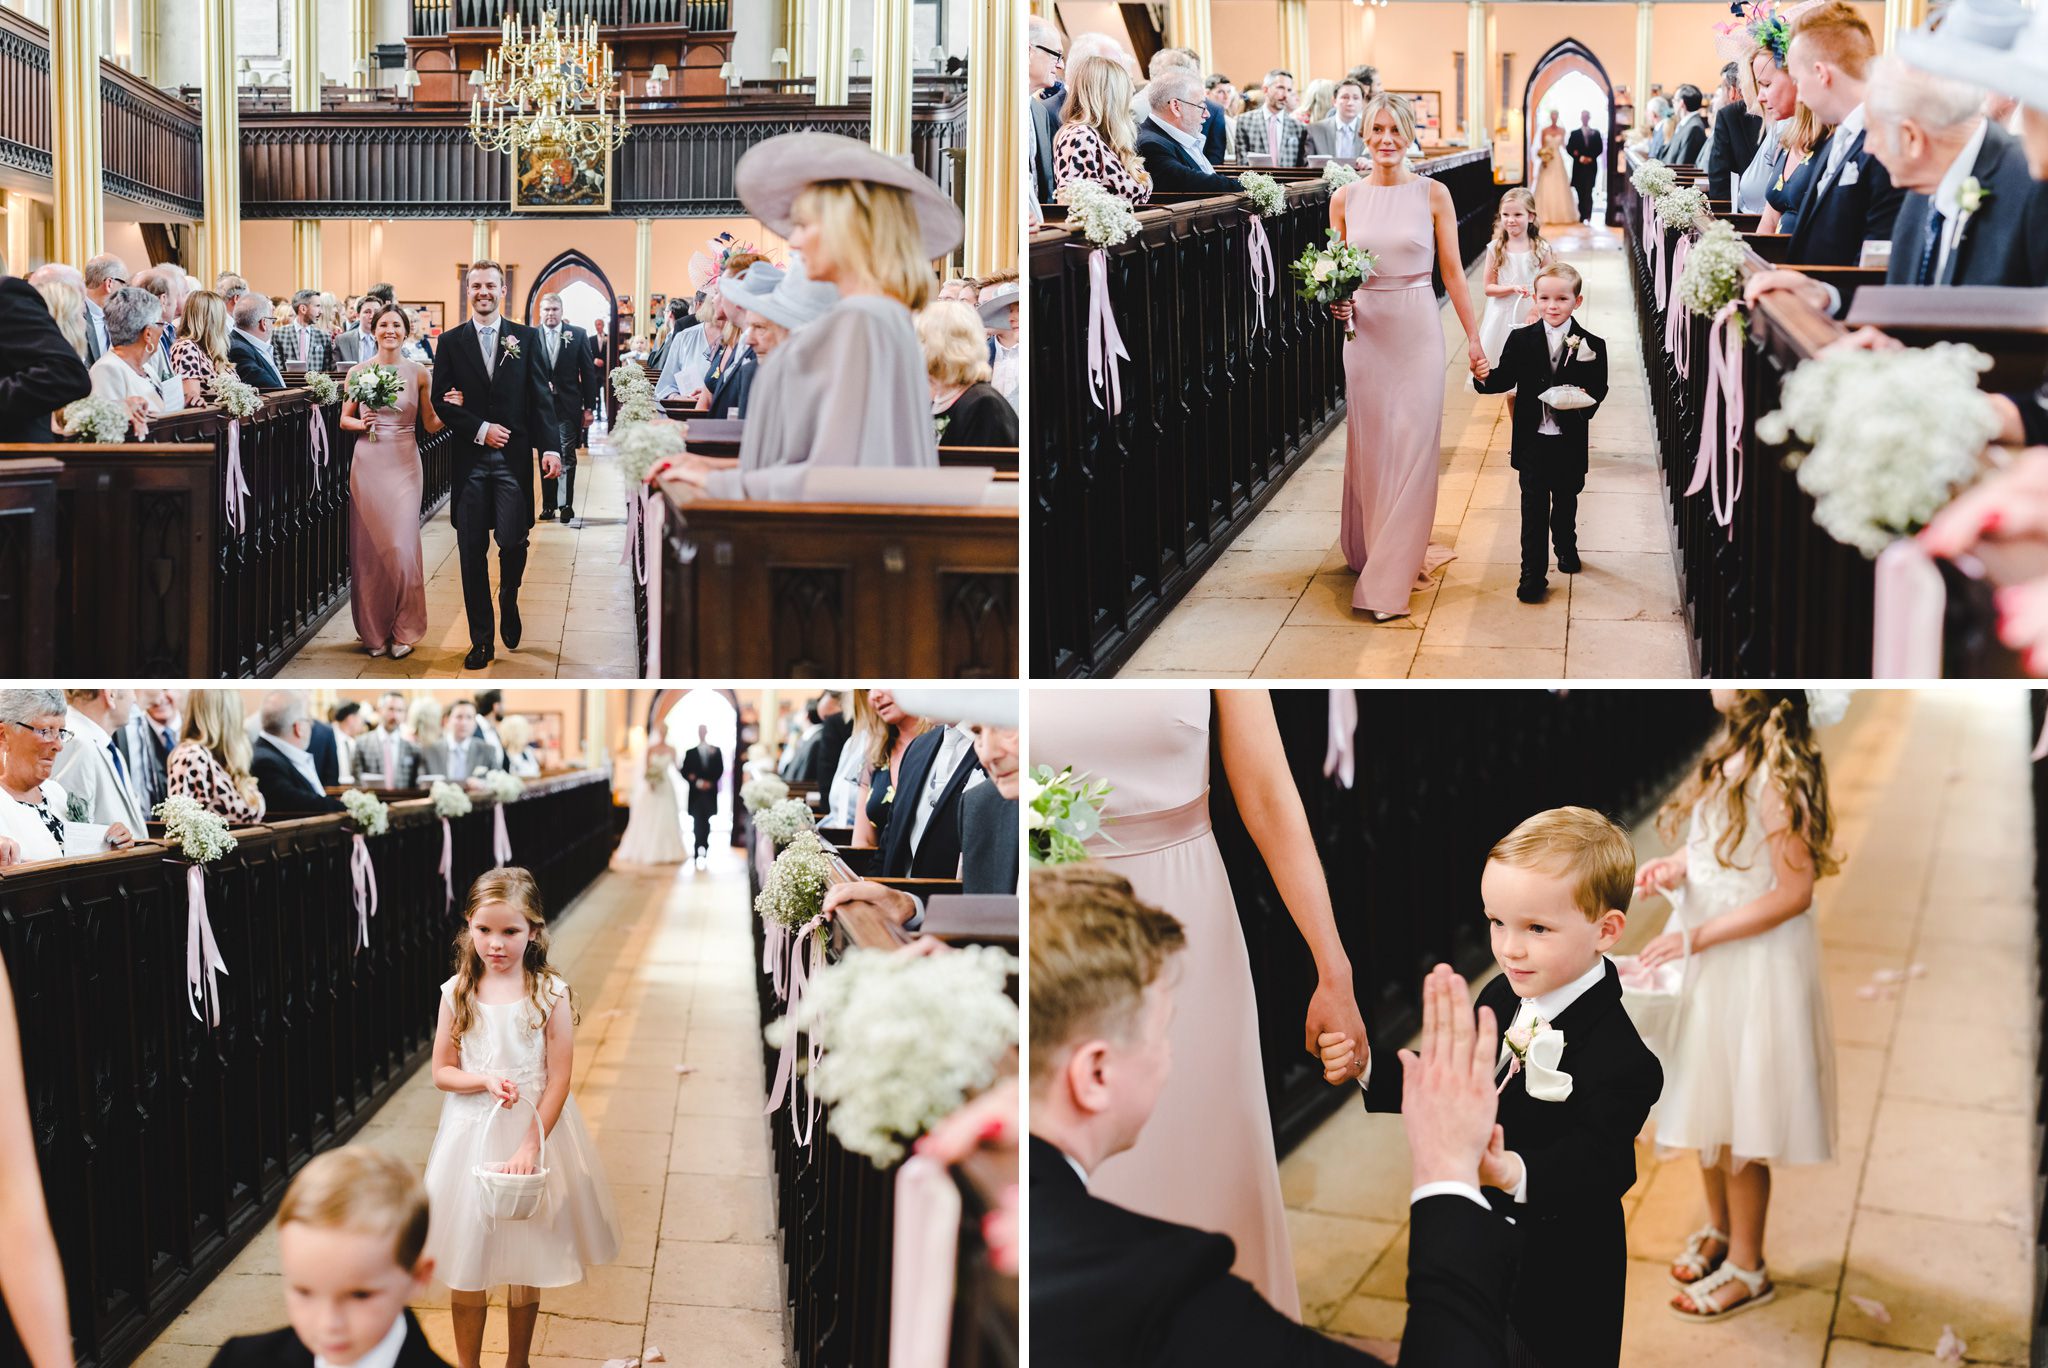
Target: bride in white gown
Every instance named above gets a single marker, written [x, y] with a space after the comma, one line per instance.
[654, 832]
[1554, 200]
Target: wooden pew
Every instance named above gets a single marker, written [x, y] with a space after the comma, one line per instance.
[28, 556]
[2009, 325]
[1000, 458]
[804, 590]
[1849, 281]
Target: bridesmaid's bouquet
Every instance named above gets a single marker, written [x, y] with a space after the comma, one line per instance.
[1063, 811]
[1333, 272]
[376, 387]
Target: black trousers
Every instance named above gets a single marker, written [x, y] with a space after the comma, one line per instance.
[702, 821]
[571, 439]
[490, 501]
[1550, 515]
[1585, 189]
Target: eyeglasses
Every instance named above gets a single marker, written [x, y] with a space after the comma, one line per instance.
[57, 734]
[1059, 59]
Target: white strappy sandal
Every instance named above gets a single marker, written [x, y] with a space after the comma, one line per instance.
[1705, 1305]
[1693, 1258]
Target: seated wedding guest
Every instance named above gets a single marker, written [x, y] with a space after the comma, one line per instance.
[1342, 135]
[281, 761]
[890, 730]
[36, 818]
[417, 345]
[1736, 131]
[1271, 130]
[490, 716]
[249, 344]
[1849, 199]
[461, 751]
[689, 356]
[201, 351]
[211, 762]
[966, 410]
[1096, 140]
[522, 757]
[351, 1242]
[842, 798]
[349, 722]
[41, 370]
[1688, 140]
[171, 285]
[849, 389]
[998, 306]
[1114, 1289]
[66, 305]
[819, 759]
[1045, 59]
[729, 376]
[384, 757]
[325, 747]
[922, 839]
[93, 768]
[357, 344]
[636, 349]
[1662, 121]
[152, 736]
[774, 303]
[423, 724]
[122, 374]
[302, 341]
[1169, 137]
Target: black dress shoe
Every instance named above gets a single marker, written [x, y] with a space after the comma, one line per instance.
[478, 657]
[509, 626]
[1568, 562]
[1532, 591]
[547, 515]
[568, 513]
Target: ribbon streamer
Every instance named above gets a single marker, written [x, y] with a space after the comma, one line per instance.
[1721, 425]
[802, 968]
[316, 438]
[448, 863]
[1105, 343]
[364, 873]
[202, 956]
[2041, 743]
[1264, 277]
[501, 843]
[1678, 319]
[1653, 244]
[1339, 761]
[925, 1248]
[236, 488]
[1911, 602]
[775, 958]
[634, 513]
[654, 524]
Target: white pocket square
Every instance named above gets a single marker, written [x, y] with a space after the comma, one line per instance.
[1850, 173]
[1544, 1081]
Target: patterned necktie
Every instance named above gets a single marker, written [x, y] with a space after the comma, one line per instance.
[1929, 249]
[554, 346]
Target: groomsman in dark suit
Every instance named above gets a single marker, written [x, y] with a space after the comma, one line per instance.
[1271, 129]
[1584, 146]
[922, 839]
[572, 370]
[702, 767]
[39, 373]
[1689, 138]
[1850, 200]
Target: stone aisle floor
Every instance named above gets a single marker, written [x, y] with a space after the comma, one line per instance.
[568, 570]
[662, 964]
[1277, 604]
[1927, 1205]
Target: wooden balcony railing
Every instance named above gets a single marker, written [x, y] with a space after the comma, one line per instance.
[164, 1147]
[1217, 411]
[1441, 777]
[435, 18]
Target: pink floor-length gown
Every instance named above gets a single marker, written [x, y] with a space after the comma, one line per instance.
[1394, 392]
[388, 575]
[1206, 1158]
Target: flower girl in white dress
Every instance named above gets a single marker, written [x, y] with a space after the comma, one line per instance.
[504, 1051]
[1513, 257]
[1749, 1072]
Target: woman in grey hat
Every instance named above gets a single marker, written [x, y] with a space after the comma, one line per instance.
[849, 389]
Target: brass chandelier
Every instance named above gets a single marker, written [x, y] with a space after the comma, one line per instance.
[548, 93]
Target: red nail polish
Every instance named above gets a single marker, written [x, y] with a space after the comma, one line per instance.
[1994, 520]
[991, 1129]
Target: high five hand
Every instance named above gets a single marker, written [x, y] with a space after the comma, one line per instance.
[1447, 1095]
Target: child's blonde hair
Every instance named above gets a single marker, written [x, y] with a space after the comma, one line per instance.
[1095, 948]
[364, 1191]
[1497, 249]
[1766, 729]
[1565, 271]
[515, 888]
[1582, 844]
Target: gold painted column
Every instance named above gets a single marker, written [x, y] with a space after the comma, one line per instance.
[796, 37]
[1902, 16]
[483, 240]
[1645, 31]
[1294, 49]
[306, 255]
[889, 110]
[147, 40]
[75, 129]
[361, 22]
[995, 163]
[643, 275]
[21, 240]
[220, 151]
[1478, 71]
[835, 52]
[1187, 26]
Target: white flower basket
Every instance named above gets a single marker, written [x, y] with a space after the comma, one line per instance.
[512, 1196]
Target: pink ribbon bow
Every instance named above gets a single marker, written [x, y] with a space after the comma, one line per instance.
[448, 862]
[236, 488]
[802, 968]
[1909, 606]
[926, 1246]
[1721, 425]
[364, 873]
[1260, 249]
[1678, 319]
[501, 841]
[1105, 343]
[202, 956]
[316, 437]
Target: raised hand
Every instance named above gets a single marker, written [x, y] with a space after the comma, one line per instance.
[1447, 1096]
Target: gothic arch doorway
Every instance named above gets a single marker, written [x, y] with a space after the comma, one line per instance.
[568, 268]
[1549, 79]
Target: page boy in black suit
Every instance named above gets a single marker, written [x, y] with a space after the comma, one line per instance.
[1549, 450]
[1577, 1081]
[350, 1240]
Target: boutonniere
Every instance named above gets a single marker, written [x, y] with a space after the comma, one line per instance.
[1537, 1048]
[1576, 350]
[510, 346]
[1970, 197]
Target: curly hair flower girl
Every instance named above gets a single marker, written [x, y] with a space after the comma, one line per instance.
[1750, 1067]
[503, 1052]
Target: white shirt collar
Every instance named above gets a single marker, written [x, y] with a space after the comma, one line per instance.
[263, 343]
[385, 1355]
[1948, 194]
[1191, 141]
[1549, 1006]
[1553, 335]
[1846, 132]
[87, 729]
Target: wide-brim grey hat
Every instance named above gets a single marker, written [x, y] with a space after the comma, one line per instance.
[789, 297]
[995, 310]
[1985, 43]
[772, 174]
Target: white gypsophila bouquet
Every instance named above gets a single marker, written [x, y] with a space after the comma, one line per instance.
[784, 821]
[1682, 207]
[627, 380]
[1339, 174]
[96, 419]
[371, 813]
[504, 786]
[236, 396]
[645, 444]
[1105, 219]
[1891, 436]
[198, 831]
[1713, 269]
[1653, 178]
[906, 1039]
[325, 391]
[1264, 192]
[376, 387]
[763, 791]
[637, 407]
[450, 799]
[794, 891]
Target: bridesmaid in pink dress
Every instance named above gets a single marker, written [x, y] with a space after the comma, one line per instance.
[1206, 1158]
[387, 568]
[1394, 369]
